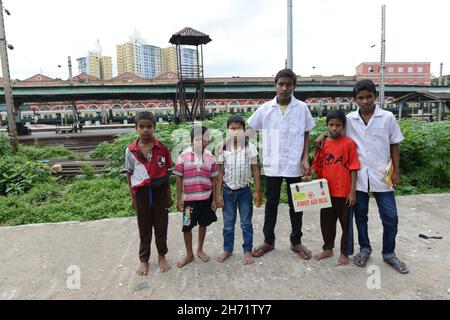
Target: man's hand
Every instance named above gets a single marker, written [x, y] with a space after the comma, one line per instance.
[395, 178]
[319, 141]
[351, 199]
[133, 203]
[180, 205]
[220, 201]
[305, 167]
[257, 198]
[307, 178]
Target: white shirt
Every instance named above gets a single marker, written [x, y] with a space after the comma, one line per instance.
[237, 165]
[283, 136]
[373, 143]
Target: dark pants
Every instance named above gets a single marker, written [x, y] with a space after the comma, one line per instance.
[273, 189]
[389, 218]
[156, 217]
[328, 221]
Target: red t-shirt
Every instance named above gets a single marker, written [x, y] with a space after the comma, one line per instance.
[334, 163]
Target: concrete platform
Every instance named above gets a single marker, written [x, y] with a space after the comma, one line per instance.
[42, 261]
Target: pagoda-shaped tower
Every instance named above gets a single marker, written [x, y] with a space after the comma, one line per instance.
[190, 97]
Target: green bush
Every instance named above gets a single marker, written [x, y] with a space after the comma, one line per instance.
[18, 175]
[88, 170]
[42, 153]
[5, 145]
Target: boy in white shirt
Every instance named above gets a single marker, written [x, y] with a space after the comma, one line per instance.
[285, 123]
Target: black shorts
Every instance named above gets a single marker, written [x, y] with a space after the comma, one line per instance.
[198, 212]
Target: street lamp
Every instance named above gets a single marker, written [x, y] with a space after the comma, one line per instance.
[7, 81]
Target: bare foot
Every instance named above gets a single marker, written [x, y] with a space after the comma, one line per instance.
[223, 256]
[343, 260]
[186, 259]
[143, 269]
[324, 254]
[248, 258]
[163, 264]
[203, 256]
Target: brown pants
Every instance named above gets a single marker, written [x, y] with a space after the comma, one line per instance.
[328, 221]
[156, 217]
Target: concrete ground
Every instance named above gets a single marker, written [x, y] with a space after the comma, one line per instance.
[45, 261]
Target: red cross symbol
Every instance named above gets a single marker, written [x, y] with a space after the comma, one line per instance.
[310, 195]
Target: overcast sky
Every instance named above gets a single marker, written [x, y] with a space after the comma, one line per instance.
[249, 36]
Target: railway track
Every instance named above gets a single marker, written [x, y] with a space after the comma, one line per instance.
[71, 168]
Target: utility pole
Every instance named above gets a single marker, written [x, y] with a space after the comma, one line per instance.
[7, 84]
[383, 53]
[289, 63]
[440, 74]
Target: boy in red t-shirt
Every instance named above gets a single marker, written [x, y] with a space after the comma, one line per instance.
[337, 162]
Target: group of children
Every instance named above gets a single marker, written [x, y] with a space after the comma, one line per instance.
[352, 157]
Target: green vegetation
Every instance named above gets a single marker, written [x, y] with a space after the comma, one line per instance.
[29, 194]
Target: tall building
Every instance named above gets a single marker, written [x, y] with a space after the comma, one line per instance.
[95, 64]
[141, 59]
[125, 58]
[106, 68]
[169, 59]
[396, 73]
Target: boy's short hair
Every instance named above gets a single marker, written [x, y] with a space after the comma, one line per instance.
[286, 73]
[337, 114]
[365, 84]
[236, 119]
[144, 115]
[196, 130]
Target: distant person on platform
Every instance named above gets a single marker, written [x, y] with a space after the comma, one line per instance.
[377, 136]
[285, 123]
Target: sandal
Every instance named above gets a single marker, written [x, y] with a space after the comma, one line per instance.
[361, 259]
[262, 250]
[397, 265]
[302, 251]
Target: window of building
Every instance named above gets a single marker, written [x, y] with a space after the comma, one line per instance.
[400, 69]
[391, 69]
[410, 69]
[420, 69]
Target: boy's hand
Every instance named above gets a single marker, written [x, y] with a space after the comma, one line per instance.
[319, 141]
[169, 201]
[133, 203]
[307, 178]
[257, 198]
[220, 201]
[213, 205]
[351, 199]
[395, 178]
[180, 205]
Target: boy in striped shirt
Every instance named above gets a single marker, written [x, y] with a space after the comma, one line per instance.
[196, 170]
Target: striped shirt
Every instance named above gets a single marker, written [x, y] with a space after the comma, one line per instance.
[197, 173]
[237, 165]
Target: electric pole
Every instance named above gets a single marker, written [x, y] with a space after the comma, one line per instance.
[383, 53]
[7, 84]
[289, 62]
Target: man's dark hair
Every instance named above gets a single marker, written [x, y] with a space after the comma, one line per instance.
[236, 119]
[145, 115]
[337, 114]
[286, 73]
[365, 84]
[196, 130]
